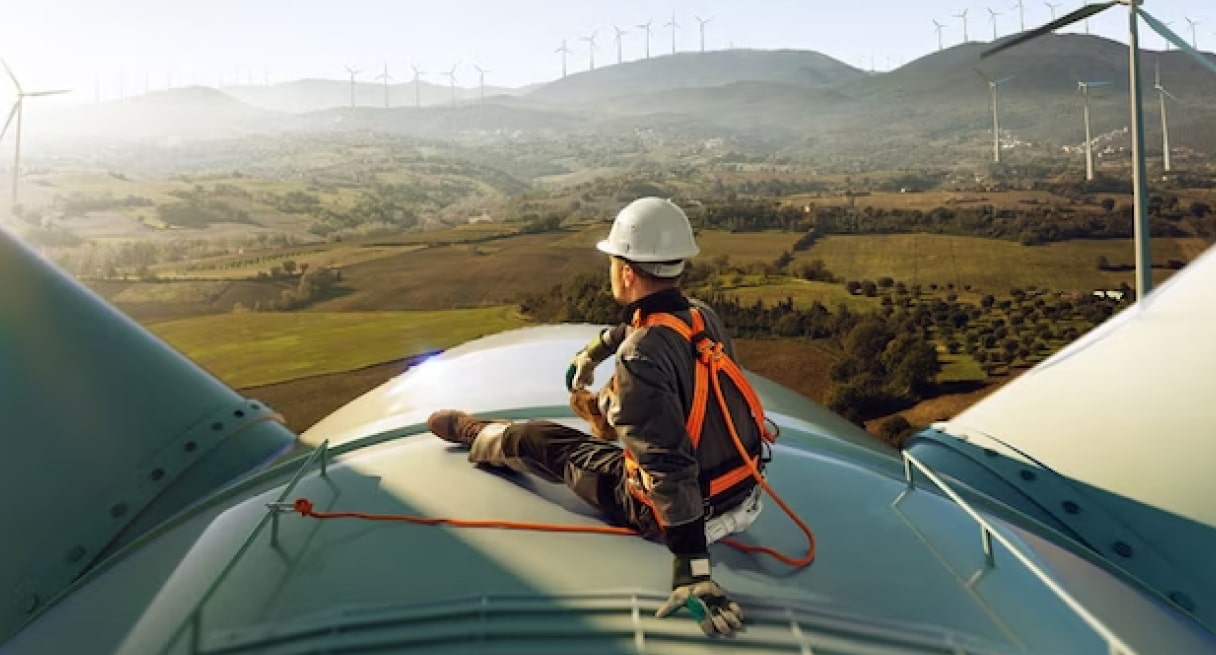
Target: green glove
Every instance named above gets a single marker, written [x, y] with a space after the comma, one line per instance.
[714, 611]
[581, 372]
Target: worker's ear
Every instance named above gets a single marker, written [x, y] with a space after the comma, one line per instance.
[628, 274]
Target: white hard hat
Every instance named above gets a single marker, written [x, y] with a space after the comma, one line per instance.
[649, 231]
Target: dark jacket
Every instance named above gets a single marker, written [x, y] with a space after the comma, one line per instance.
[655, 376]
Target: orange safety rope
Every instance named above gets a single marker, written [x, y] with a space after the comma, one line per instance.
[712, 358]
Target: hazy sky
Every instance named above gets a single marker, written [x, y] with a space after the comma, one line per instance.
[87, 45]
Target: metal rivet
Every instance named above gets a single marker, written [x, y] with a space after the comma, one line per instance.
[239, 413]
[156, 474]
[217, 426]
[1182, 600]
[1122, 549]
[76, 553]
[118, 510]
[990, 452]
[1071, 507]
[190, 446]
[1027, 475]
[31, 603]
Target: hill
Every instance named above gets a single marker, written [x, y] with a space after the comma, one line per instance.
[308, 95]
[693, 70]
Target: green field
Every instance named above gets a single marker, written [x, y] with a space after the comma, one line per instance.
[989, 265]
[959, 368]
[803, 292]
[251, 349]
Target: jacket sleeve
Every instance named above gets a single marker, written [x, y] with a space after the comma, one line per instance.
[650, 421]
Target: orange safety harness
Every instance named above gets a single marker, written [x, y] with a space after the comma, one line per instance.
[712, 363]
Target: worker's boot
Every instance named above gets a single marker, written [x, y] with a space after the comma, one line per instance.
[455, 426]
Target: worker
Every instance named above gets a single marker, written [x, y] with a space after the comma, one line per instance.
[659, 483]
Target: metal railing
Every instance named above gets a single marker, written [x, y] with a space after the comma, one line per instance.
[987, 533]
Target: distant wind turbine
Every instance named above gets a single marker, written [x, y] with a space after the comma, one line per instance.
[353, 73]
[452, 81]
[939, 27]
[963, 16]
[619, 33]
[481, 80]
[1167, 41]
[1165, 128]
[590, 47]
[992, 19]
[674, 26]
[385, 77]
[1193, 24]
[564, 51]
[417, 87]
[703, 22]
[18, 110]
[1083, 88]
[1053, 8]
[646, 27]
[993, 86]
[1021, 7]
[1084, 4]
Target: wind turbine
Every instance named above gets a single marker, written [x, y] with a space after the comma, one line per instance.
[1086, 20]
[619, 33]
[1165, 128]
[18, 110]
[993, 85]
[1167, 41]
[481, 80]
[452, 81]
[590, 47]
[1053, 8]
[964, 17]
[992, 19]
[353, 73]
[565, 51]
[1193, 24]
[1083, 88]
[385, 77]
[1139, 176]
[939, 27]
[1021, 7]
[674, 26]
[703, 22]
[417, 87]
[646, 26]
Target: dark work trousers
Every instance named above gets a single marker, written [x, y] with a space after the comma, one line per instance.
[594, 470]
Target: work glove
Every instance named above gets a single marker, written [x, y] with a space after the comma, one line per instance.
[714, 611]
[581, 372]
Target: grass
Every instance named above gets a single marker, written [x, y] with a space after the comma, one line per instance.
[960, 368]
[803, 292]
[261, 348]
[989, 265]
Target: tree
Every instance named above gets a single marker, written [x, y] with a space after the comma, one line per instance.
[895, 430]
[1108, 204]
[987, 301]
[1103, 263]
[869, 288]
[289, 267]
[1200, 209]
[853, 286]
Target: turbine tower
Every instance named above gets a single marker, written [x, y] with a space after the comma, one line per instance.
[564, 51]
[619, 33]
[939, 27]
[674, 26]
[18, 110]
[1083, 88]
[353, 73]
[481, 80]
[1135, 13]
[417, 87]
[993, 86]
[452, 81]
[1193, 24]
[646, 27]
[1053, 8]
[590, 47]
[385, 77]
[703, 22]
[1021, 7]
[992, 19]
[1165, 128]
[964, 17]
